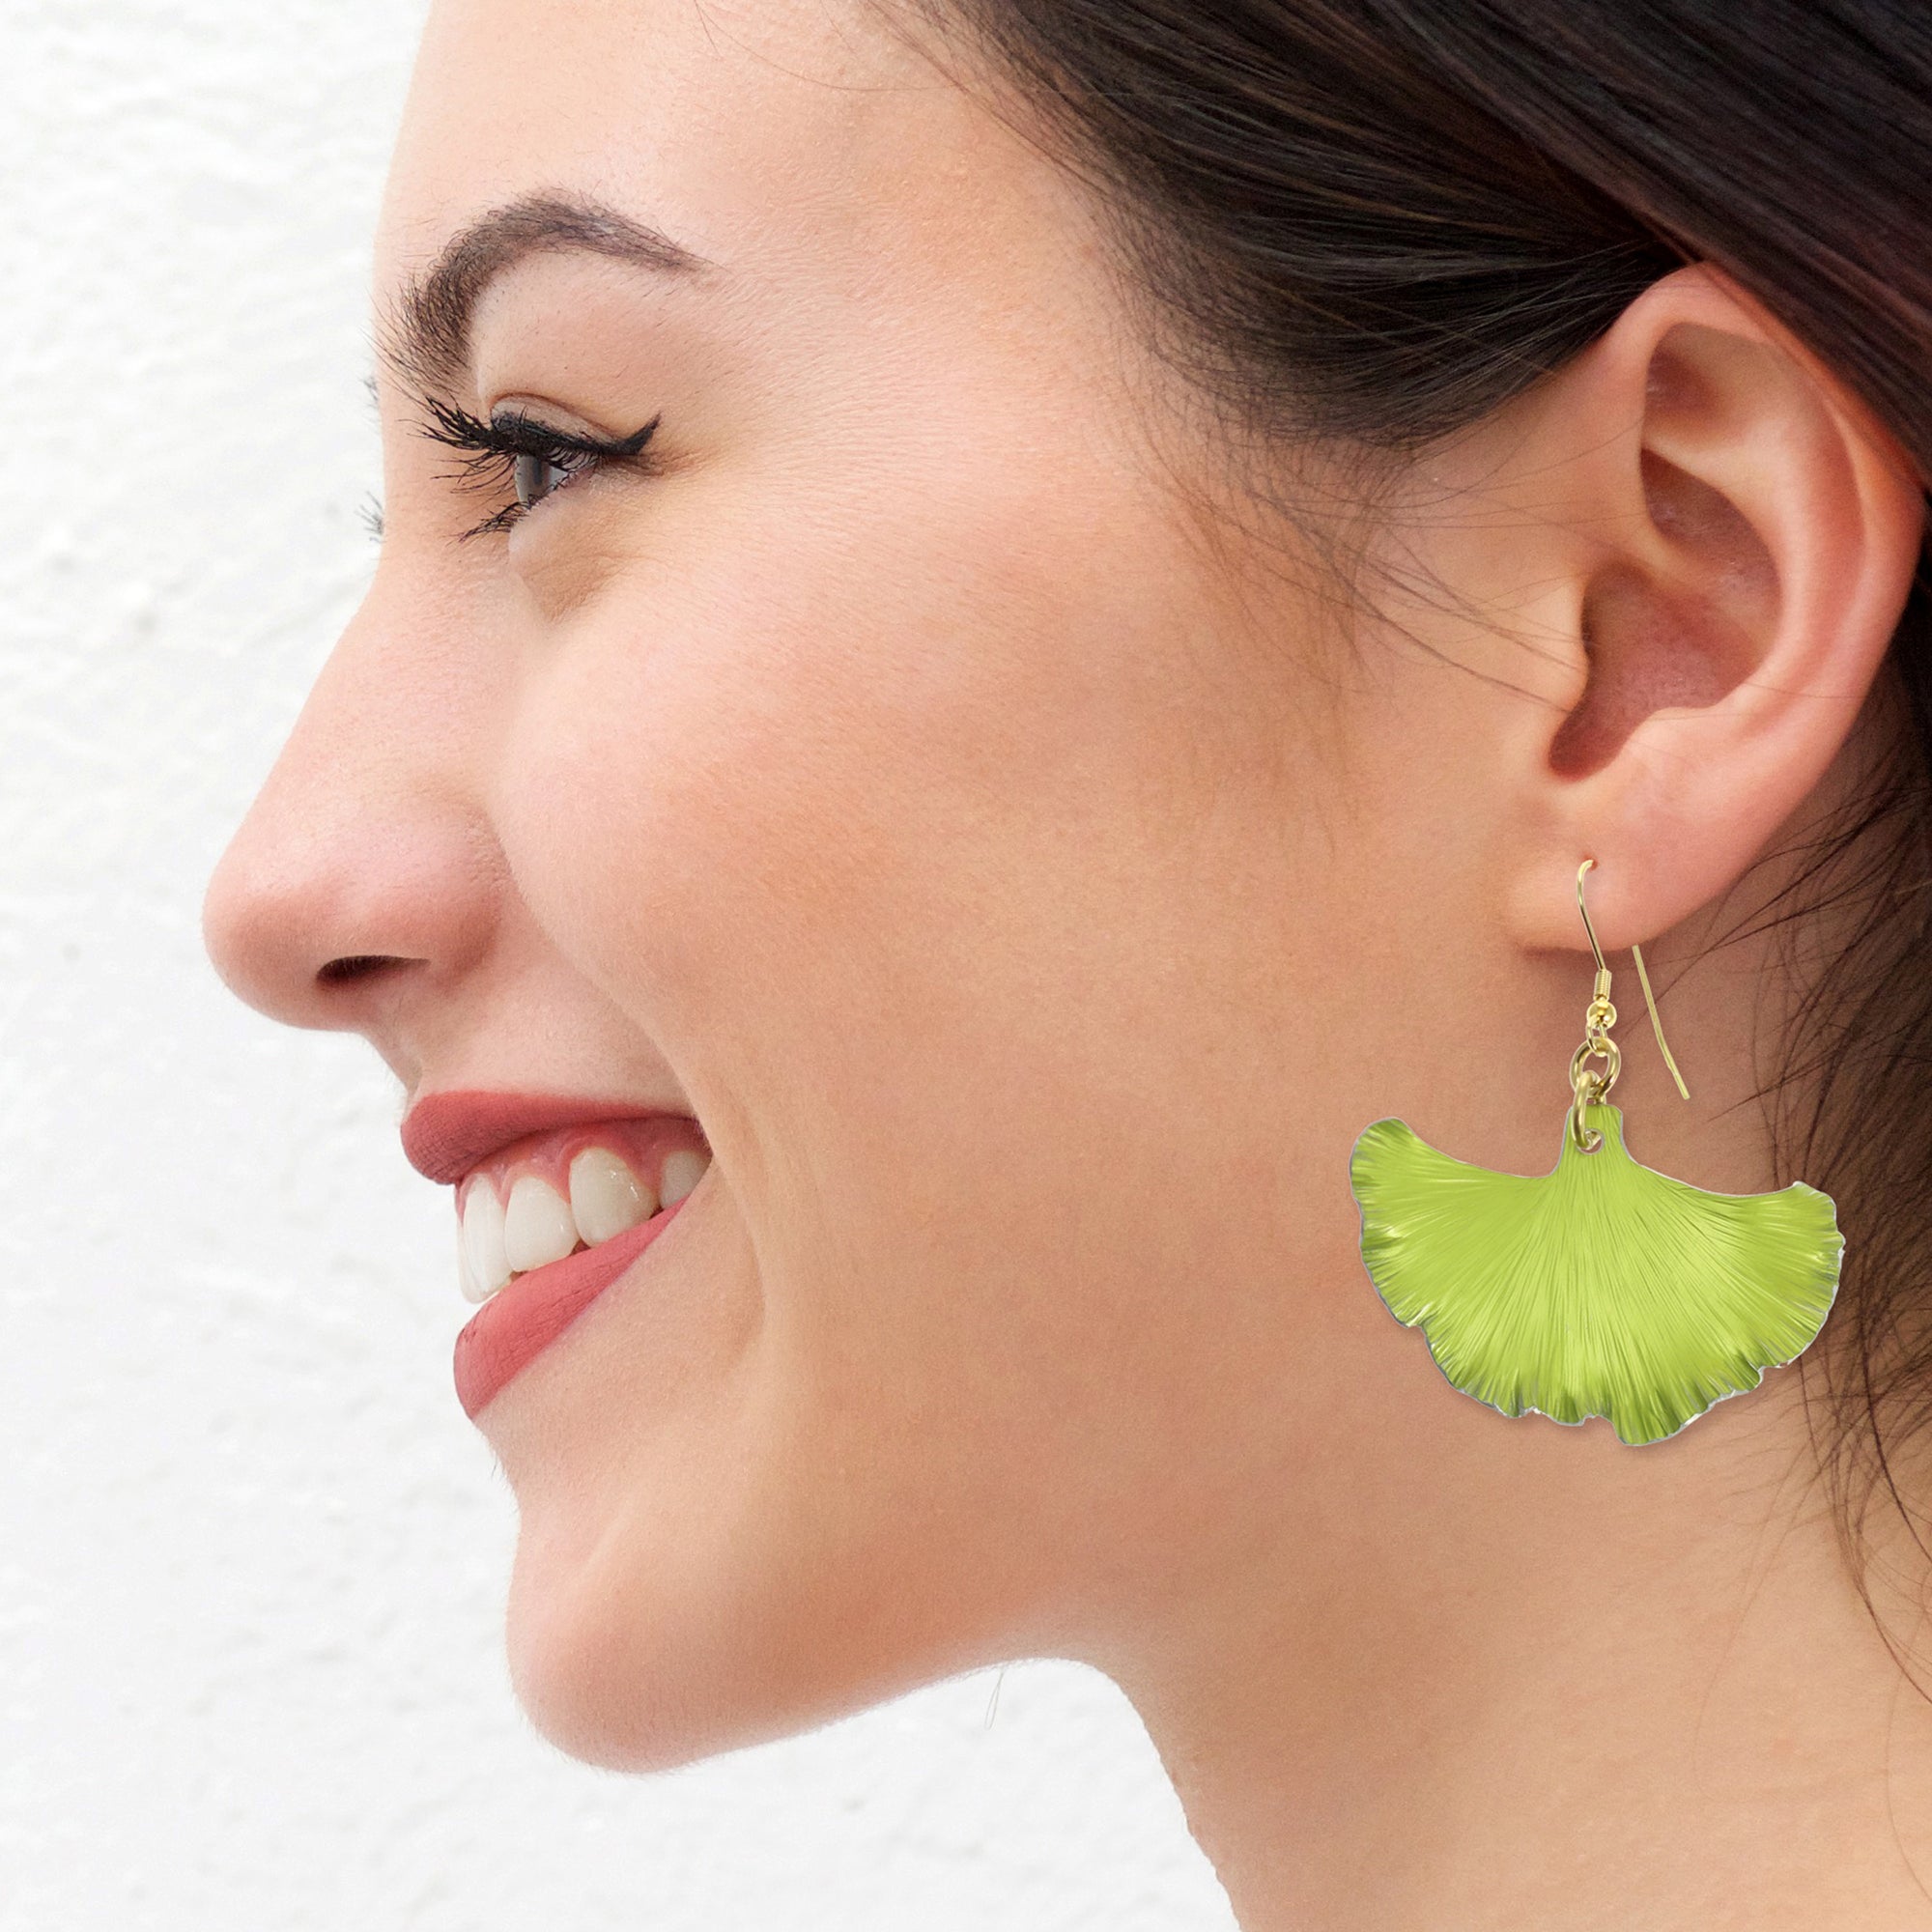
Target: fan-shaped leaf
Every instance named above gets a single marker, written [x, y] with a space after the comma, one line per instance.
[1604, 1287]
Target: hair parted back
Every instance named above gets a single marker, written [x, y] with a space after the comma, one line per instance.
[1376, 221]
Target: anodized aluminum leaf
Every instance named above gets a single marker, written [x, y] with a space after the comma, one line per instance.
[1602, 1288]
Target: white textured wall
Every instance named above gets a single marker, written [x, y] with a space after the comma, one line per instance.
[251, 1555]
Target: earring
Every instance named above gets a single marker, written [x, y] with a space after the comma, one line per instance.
[1602, 1288]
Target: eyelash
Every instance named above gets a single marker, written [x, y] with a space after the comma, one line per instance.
[492, 450]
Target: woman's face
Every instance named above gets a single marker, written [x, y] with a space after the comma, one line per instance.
[883, 773]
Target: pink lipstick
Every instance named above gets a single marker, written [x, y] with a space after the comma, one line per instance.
[556, 1198]
[518, 1323]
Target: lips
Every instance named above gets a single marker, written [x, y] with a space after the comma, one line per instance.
[514, 1328]
[557, 1198]
[446, 1134]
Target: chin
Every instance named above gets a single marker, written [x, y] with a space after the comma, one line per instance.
[616, 1677]
[639, 1651]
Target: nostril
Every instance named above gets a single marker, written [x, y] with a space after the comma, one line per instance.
[359, 966]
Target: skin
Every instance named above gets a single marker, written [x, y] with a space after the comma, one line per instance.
[944, 782]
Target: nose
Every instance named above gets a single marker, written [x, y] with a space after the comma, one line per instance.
[366, 870]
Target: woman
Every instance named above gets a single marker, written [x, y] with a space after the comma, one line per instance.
[1003, 622]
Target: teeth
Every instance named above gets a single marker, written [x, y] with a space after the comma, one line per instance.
[606, 1198]
[537, 1227]
[486, 1263]
[683, 1170]
[465, 1280]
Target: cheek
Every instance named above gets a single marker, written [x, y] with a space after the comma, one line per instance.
[793, 805]
[879, 851]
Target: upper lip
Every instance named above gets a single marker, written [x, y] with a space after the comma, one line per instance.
[446, 1135]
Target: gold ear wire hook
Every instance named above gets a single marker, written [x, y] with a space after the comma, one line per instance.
[1603, 990]
[1656, 1024]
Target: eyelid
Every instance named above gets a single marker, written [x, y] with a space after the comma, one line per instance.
[490, 446]
[540, 435]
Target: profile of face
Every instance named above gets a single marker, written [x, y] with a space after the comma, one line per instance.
[824, 727]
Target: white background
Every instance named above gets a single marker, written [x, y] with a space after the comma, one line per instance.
[251, 1555]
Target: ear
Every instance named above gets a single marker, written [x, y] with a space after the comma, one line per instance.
[1739, 539]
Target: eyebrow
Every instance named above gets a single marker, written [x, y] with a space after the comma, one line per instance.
[425, 337]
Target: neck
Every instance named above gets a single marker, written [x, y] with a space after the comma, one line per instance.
[1577, 1684]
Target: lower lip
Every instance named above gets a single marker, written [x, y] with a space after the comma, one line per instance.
[520, 1322]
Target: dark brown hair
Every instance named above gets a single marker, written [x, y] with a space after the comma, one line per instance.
[1374, 220]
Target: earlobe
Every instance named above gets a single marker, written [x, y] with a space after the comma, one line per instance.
[1750, 542]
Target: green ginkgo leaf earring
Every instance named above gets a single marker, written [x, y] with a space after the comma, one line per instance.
[1602, 1288]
